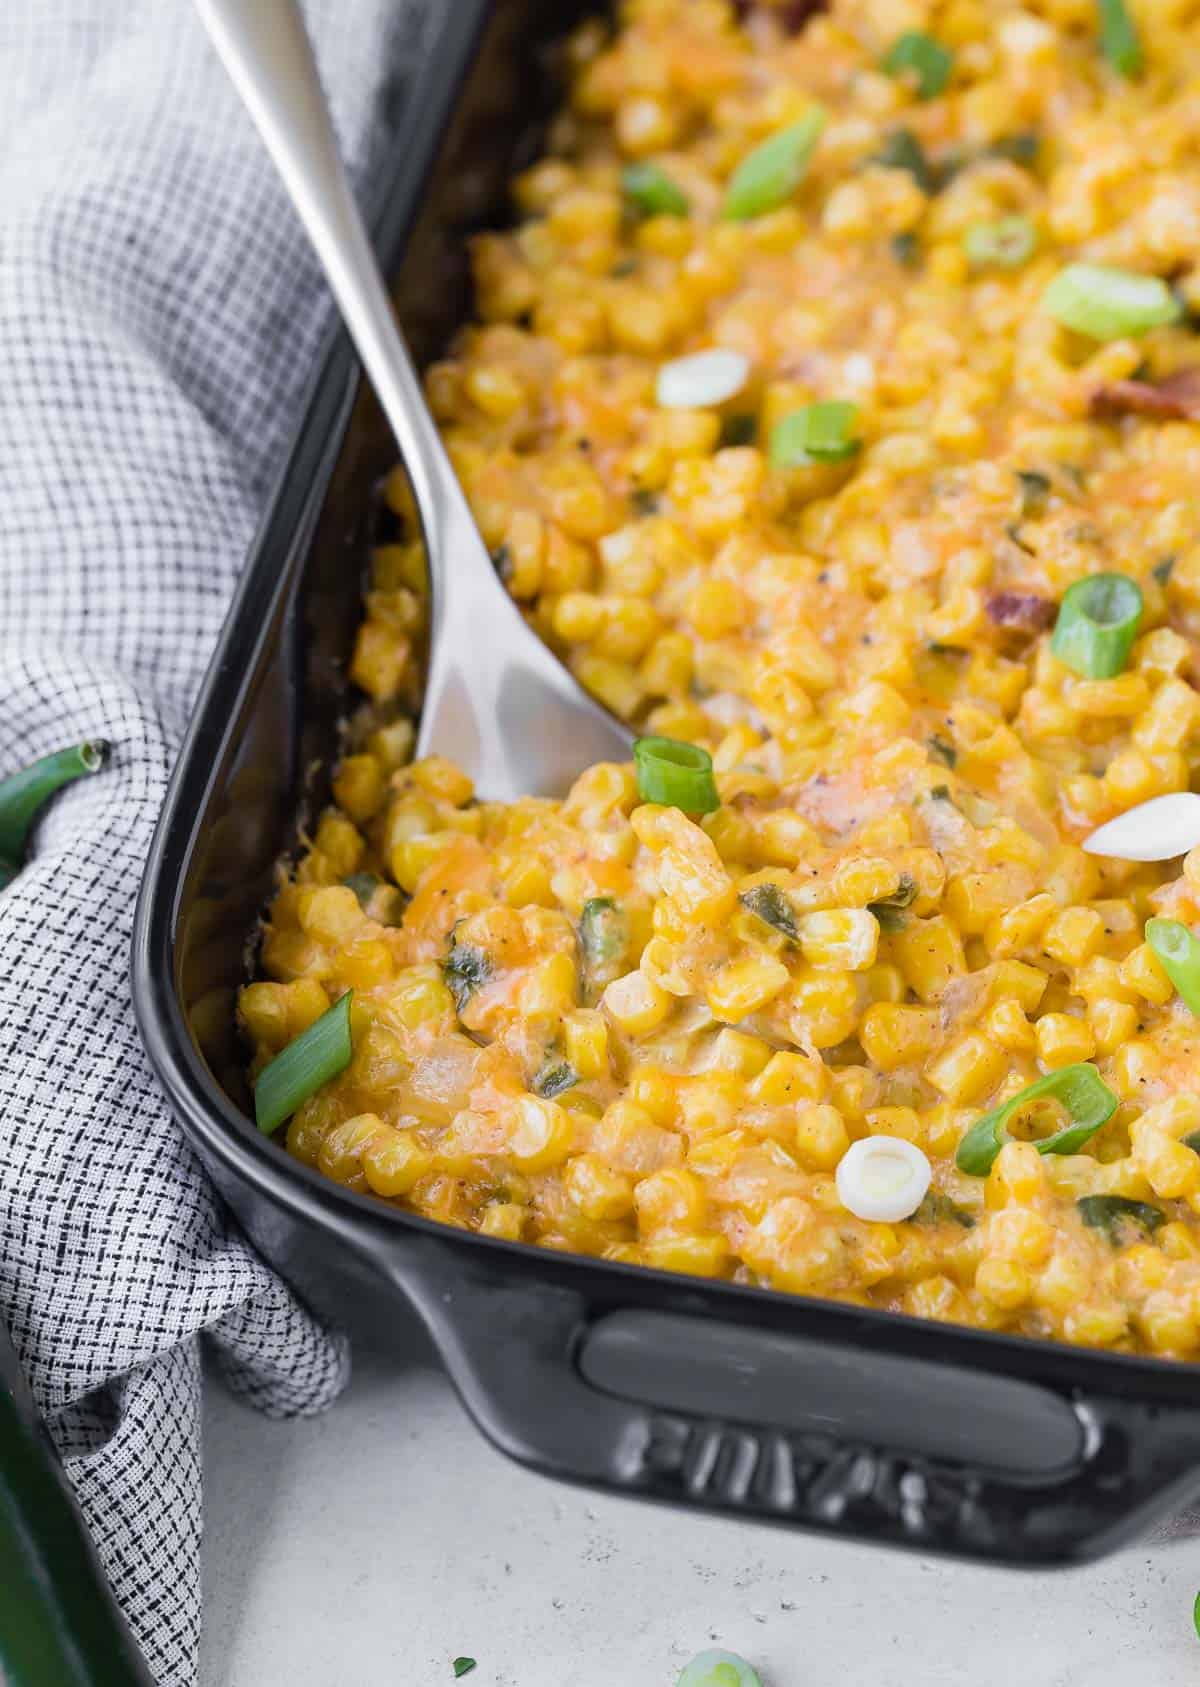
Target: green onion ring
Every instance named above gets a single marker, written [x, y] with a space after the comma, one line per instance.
[1080, 1089]
[1097, 624]
[676, 774]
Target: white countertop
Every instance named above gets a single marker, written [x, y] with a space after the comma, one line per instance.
[376, 1543]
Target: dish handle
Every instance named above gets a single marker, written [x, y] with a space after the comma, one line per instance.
[895, 1432]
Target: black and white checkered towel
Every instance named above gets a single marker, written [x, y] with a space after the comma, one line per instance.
[159, 319]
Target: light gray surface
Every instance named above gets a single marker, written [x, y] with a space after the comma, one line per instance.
[374, 1544]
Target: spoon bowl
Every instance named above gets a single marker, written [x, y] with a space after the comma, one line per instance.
[497, 701]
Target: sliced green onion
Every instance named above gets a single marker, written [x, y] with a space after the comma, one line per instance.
[677, 774]
[1079, 1089]
[770, 175]
[308, 1062]
[819, 433]
[718, 1669]
[24, 794]
[1097, 624]
[1007, 243]
[1196, 1614]
[889, 910]
[652, 191]
[1178, 948]
[1117, 1216]
[1118, 38]
[462, 1666]
[1107, 304]
[926, 62]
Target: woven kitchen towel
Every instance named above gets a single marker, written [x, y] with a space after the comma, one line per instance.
[159, 318]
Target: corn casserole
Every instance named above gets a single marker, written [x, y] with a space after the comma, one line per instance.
[831, 408]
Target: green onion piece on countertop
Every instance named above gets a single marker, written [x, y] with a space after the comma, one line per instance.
[677, 774]
[1006, 243]
[1196, 1614]
[818, 433]
[769, 176]
[1107, 304]
[1178, 948]
[1097, 623]
[1119, 1218]
[1079, 1089]
[463, 1666]
[718, 1669]
[309, 1061]
[1119, 38]
[24, 794]
[652, 192]
[923, 59]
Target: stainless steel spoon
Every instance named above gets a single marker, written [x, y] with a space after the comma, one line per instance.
[497, 701]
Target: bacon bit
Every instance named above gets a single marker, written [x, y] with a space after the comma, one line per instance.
[791, 15]
[1175, 398]
[1021, 612]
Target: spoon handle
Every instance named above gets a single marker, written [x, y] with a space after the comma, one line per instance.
[266, 51]
[497, 700]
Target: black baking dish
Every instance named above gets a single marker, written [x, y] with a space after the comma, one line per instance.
[714, 1396]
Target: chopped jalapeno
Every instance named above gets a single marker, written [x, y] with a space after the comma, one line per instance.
[940, 1209]
[554, 1078]
[770, 904]
[1120, 1219]
[902, 150]
[1035, 490]
[738, 430]
[465, 969]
